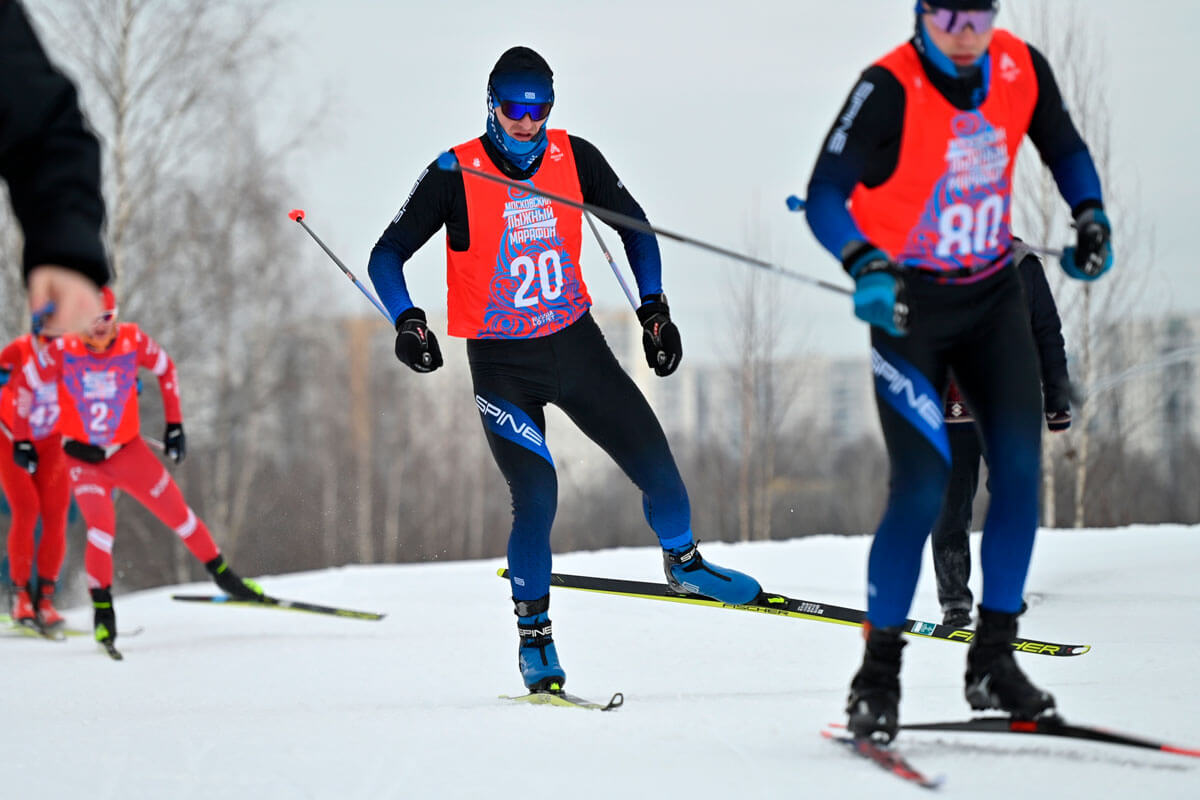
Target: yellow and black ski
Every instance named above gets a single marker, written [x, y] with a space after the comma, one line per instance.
[565, 700]
[266, 601]
[783, 606]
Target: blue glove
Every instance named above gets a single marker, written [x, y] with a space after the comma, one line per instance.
[1092, 256]
[879, 294]
[4, 373]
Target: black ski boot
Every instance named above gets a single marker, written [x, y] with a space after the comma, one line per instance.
[993, 678]
[874, 703]
[104, 621]
[956, 617]
[236, 587]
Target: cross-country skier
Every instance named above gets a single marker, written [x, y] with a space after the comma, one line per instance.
[951, 539]
[516, 293]
[912, 192]
[34, 479]
[97, 393]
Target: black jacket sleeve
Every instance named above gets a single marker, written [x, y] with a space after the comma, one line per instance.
[48, 156]
[601, 187]
[437, 199]
[1047, 334]
[1051, 128]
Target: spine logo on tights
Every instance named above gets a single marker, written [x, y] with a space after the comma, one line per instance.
[504, 419]
[900, 385]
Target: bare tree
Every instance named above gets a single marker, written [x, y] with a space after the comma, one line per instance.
[1063, 33]
[204, 258]
[764, 389]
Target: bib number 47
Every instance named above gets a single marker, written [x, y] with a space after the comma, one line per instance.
[547, 272]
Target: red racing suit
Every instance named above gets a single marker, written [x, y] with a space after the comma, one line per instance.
[104, 449]
[32, 395]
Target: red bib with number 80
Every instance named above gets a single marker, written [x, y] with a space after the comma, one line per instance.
[520, 276]
[947, 206]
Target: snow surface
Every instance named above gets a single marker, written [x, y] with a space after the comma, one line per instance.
[233, 702]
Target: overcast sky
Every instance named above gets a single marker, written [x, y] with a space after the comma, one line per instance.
[710, 117]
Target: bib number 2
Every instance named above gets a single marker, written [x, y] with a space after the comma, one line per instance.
[99, 422]
[547, 272]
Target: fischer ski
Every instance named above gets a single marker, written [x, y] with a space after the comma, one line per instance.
[565, 700]
[886, 758]
[274, 602]
[784, 606]
[1049, 726]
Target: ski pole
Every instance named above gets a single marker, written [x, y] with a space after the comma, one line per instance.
[297, 214]
[798, 204]
[616, 270]
[447, 161]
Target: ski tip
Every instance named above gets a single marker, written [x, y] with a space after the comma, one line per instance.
[1181, 751]
[795, 203]
[502, 572]
[447, 161]
[296, 214]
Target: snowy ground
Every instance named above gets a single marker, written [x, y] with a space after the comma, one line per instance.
[229, 702]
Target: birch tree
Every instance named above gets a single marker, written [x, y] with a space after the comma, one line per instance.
[1063, 33]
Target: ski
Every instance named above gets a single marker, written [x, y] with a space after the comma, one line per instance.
[32, 629]
[886, 758]
[274, 602]
[56, 634]
[1050, 726]
[111, 651]
[784, 606]
[565, 700]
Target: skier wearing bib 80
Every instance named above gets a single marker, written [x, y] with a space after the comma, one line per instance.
[516, 293]
[912, 192]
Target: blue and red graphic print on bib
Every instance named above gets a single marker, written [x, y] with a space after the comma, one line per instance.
[520, 276]
[947, 208]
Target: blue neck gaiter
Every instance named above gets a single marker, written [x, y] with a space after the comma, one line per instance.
[943, 63]
[521, 154]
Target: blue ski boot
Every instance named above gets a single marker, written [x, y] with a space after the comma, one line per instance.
[536, 656]
[688, 573]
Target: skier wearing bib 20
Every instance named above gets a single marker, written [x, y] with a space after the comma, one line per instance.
[516, 293]
[912, 191]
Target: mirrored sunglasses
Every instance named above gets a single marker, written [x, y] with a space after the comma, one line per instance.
[515, 110]
[958, 21]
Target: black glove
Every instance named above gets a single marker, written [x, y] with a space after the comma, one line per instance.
[1058, 421]
[174, 442]
[25, 455]
[415, 343]
[660, 337]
